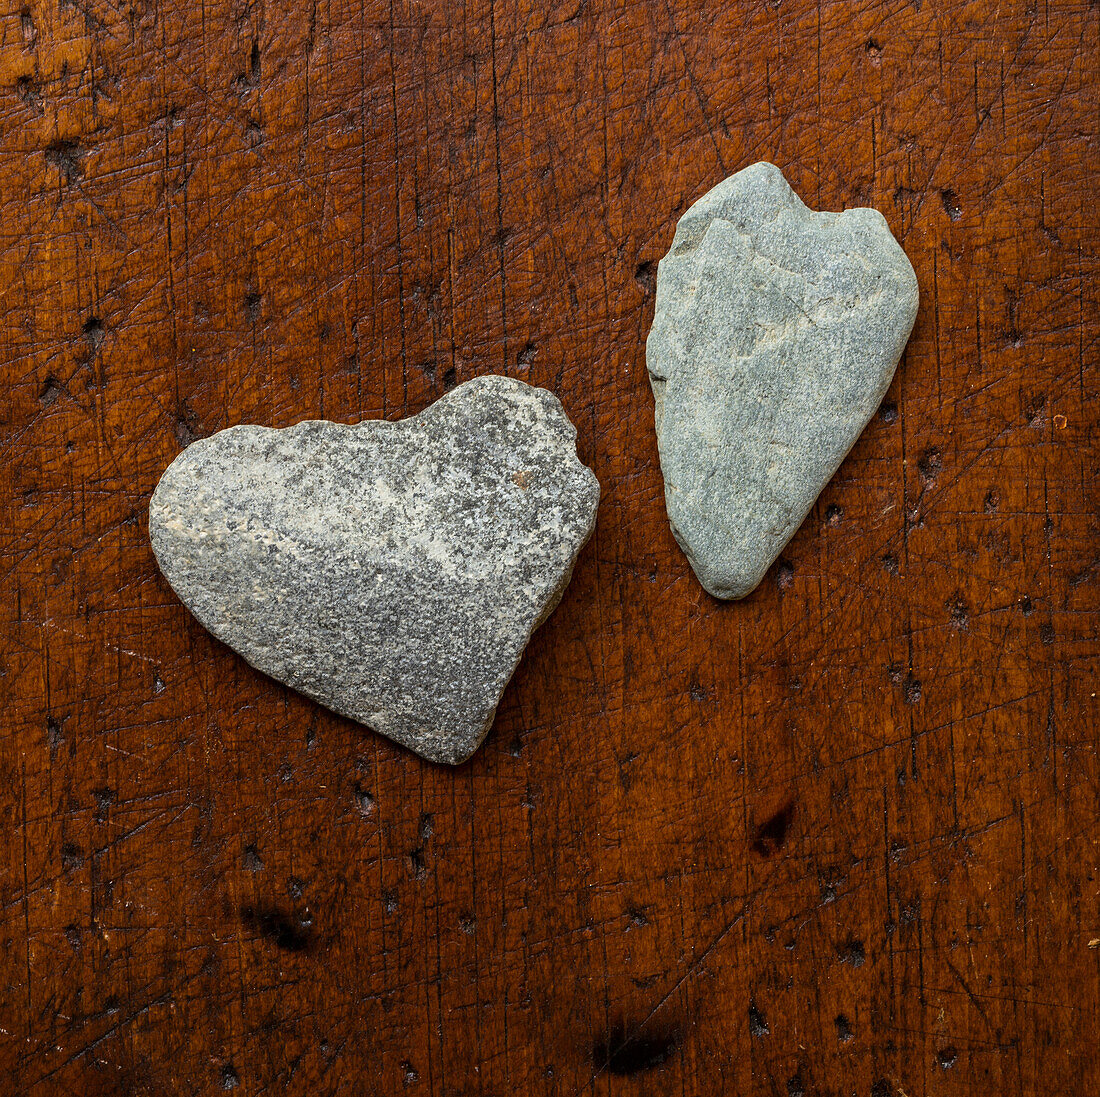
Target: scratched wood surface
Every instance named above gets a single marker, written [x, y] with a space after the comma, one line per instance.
[839, 838]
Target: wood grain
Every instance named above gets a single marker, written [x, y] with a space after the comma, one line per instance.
[839, 838]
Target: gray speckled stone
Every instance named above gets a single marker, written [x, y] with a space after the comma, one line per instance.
[393, 571]
[775, 336]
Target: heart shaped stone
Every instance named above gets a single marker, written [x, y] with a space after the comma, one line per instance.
[776, 333]
[392, 571]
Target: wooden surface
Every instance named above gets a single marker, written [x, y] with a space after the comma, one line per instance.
[839, 838]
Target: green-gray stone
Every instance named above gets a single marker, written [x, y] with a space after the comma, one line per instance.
[775, 336]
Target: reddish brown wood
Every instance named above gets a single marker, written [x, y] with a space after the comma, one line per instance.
[840, 838]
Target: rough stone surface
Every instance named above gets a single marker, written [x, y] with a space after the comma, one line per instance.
[775, 336]
[392, 571]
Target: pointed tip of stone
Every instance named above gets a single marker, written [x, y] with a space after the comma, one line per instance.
[728, 588]
[727, 578]
[454, 753]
